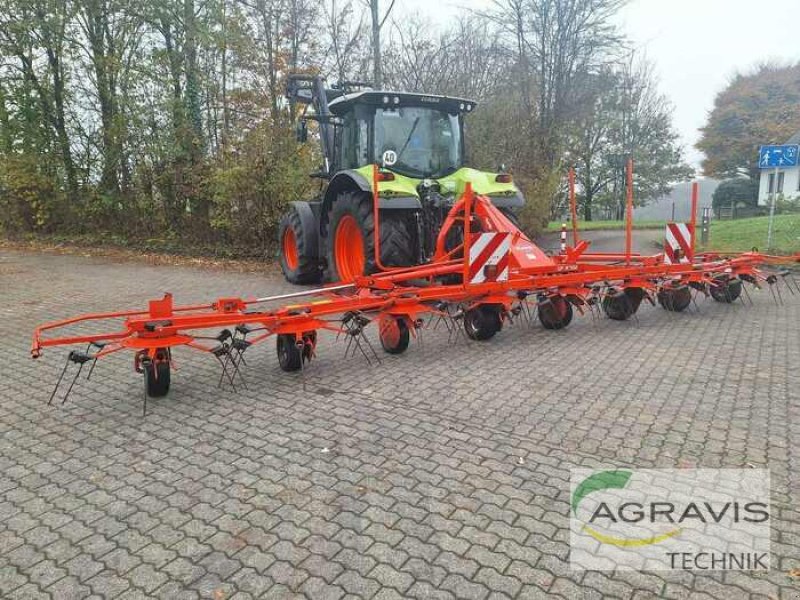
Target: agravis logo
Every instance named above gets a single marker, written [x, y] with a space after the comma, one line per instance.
[670, 519]
[611, 480]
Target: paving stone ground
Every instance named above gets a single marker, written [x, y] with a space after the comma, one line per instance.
[442, 473]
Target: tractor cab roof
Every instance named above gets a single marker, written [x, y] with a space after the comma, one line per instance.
[388, 99]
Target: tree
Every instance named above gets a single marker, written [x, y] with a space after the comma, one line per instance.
[756, 108]
[378, 22]
[624, 115]
[735, 192]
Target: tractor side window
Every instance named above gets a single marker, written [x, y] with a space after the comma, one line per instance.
[355, 136]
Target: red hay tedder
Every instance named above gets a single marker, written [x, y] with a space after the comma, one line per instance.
[493, 275]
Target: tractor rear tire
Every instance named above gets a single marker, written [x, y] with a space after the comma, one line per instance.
[350, 240]
[394, 334]
[482, 322]
[157, 374]
[675, 299]
[298, 253]
[727, 291]
[555, 312]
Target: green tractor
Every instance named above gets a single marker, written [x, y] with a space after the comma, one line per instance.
[417, 143]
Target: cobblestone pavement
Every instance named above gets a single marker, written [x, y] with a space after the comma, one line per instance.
[442, 473]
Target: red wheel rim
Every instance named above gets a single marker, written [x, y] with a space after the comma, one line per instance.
[390, 332]
[348, 249]
[289, 248]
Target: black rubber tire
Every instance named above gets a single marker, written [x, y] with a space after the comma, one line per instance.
[675, 299]
[398, 242]
[728, 291]
[157, 375]
[482, 322]
[623, 304]
[394, 341]
[555, 314]
[290, 357]
[308, 267]
[617, 306]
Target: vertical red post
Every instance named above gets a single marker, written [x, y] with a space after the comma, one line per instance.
[573, 206]
[693, 218]
[629, 211]
[467, 229]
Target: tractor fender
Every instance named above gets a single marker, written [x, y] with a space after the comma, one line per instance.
[310, 228]
[351, 180]
[515, 201]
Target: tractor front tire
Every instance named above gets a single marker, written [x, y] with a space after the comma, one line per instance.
[350, 240]
[298, 256]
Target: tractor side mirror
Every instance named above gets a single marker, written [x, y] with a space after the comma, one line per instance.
[301, 131]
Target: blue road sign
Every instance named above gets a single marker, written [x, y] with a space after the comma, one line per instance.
[770, 157]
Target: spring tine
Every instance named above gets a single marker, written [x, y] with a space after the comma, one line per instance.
[694, 301]
[370, 346]
[74, 379]
[58, 383]
[778, 289]
[747, 293]
[144, 389]
[786, 281]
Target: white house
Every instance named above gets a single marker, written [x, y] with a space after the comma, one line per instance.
[788, 180]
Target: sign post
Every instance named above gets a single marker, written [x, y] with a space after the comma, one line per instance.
[776, 157]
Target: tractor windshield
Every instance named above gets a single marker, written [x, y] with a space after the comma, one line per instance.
[422, 142]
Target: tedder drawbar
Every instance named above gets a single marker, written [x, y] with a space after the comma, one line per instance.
[491, 276]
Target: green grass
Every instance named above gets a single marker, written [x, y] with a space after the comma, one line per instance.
[598, 225]
[745, 234]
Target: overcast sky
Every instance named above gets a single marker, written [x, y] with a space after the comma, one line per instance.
[696, 45]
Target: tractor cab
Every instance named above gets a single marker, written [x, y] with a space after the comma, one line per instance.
[362, 223]
[418, 136]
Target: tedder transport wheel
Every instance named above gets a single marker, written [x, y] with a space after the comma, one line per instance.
[621, 305]
[555, 312]
[482, 322]
[727, 290]
[297, 237]
[291, 354]
[157, 374]
[351, 238]
[394, 334]
[675, 299]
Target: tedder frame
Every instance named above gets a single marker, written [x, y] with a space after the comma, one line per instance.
[494, 276]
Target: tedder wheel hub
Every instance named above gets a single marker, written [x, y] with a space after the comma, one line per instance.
[294, 351]
[483, 322]
[555, 312]
[394, 334]
[727, 290]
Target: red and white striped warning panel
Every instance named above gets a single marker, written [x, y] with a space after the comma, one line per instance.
[489, 255]
[677, 243]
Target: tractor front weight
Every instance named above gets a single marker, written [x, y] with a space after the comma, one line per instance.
[496, 275]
